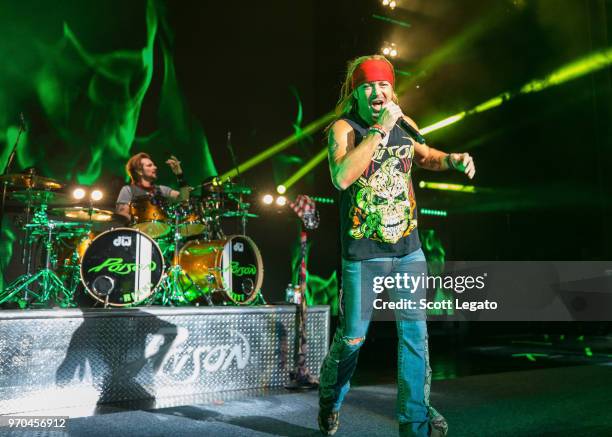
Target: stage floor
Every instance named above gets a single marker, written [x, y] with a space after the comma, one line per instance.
[566, 401]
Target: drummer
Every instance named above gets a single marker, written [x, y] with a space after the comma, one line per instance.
[143, 173]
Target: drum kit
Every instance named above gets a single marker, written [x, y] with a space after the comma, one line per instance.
[170, 253]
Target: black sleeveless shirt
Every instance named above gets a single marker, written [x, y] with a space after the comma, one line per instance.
[378, 215]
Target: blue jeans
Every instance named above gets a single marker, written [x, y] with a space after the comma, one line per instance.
[413, 358]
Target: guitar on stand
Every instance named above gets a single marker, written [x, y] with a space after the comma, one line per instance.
[300, 377]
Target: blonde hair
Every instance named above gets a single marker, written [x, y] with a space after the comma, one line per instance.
[347, 102]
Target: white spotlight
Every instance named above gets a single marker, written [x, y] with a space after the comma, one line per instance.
[393, 53]
[392, 5]
[78, 193]
[386, 51]
[96, 195]
[268, 199]
[281, 200]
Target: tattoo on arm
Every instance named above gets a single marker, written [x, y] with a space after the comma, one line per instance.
[332, 144]
[435, 160]
[435, 163]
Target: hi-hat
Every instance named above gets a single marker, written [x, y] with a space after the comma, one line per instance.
[30, 181]
[84, 214]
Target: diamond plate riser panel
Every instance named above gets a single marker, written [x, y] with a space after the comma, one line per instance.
[69, 358]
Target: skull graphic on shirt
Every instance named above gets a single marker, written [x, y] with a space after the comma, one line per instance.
[385, 201]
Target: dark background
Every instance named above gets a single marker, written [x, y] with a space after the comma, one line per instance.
[545, 156]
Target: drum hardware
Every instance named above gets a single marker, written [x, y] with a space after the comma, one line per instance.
[40, 197]
[5, 178]
[135, 276]
[187, 218]
[172, 288]
[30, 181]
[84, 214]
[49, 283]
[34, 190]
[40, 229]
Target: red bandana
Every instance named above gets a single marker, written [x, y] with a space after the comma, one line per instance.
[372, 70]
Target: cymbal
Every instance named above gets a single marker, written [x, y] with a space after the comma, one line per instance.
[84, 214]
[29, 181]
[38, 197]
[225, 187]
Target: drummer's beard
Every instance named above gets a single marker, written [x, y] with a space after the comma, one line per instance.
[150, 179]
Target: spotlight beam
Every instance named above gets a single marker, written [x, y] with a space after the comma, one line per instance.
[581, 67]
[279, 147]
[306, 168]
[431, 62]
[390, 20]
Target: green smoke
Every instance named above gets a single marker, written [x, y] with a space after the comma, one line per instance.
[83, 101]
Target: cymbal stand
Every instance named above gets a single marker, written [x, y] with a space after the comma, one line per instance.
[171, 282]
[46, 279]
[7, 167]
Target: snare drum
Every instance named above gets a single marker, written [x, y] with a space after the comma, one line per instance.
[149, 216]
[231, 268]
[122, 267]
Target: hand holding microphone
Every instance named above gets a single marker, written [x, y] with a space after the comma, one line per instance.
[389, 115]
[392, 115]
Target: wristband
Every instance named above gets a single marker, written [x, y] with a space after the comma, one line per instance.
[450, 162]
[181, 181]
[378, 128]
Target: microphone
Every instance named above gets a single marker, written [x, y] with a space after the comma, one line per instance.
[407, 127]
[22, 119]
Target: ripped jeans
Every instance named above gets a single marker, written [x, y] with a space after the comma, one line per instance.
[414, 373]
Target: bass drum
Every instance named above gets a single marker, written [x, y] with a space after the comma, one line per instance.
[231, 269]
[122, 267]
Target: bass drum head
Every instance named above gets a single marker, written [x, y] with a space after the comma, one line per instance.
[122, 265]
[242, 269]
[228, 270]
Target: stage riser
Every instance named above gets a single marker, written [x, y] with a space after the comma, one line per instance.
[64, 358]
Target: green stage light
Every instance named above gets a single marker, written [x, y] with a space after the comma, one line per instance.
[279, 147]
[443, 123]
[390, 20]
[583, 66]
[325, 200]
[433, 212]
[428, 64]
[492, 103]
[530, 356]
[402, 73]
[443, 186]
[281, 189]
[306, 168]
